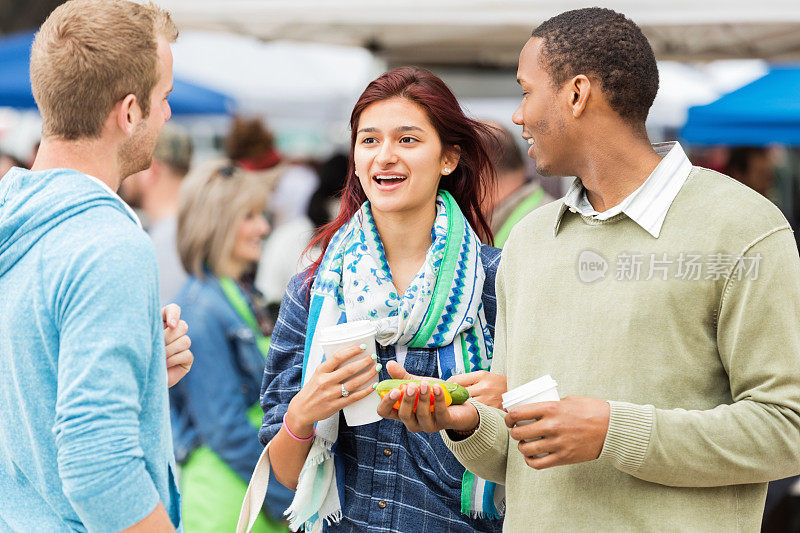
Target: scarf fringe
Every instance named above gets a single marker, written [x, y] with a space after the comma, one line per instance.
[333, 518]
[312, 462]
[480, 515]
[320, 458]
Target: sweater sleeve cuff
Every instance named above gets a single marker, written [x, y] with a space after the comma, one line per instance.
[124, 501]
[489, 425]
[629, 429]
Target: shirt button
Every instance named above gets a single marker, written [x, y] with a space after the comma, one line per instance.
[382, 504]
[387, 452]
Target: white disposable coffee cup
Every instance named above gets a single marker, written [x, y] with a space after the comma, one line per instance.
[334, 338]
[543, 389]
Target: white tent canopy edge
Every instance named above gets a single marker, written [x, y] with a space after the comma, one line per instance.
[486, 32]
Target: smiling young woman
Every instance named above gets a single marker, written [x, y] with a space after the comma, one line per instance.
[400, 162]
[405, 253]
[468, 182]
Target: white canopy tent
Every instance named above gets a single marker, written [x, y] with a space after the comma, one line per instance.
[299, 88]
[306, 87]
[275, 74]
[491, 32]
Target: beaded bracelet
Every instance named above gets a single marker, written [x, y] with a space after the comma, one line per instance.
[295, 437]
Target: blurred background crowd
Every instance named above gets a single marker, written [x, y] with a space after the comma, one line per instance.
[257, 150]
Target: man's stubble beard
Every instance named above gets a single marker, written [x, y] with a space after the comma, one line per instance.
[136, 153]
[556, 131]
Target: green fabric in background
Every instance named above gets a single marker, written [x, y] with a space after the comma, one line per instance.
[526, 206]
[213, 493]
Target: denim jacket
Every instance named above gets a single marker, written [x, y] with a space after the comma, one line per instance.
[395, 481]
[209, 405]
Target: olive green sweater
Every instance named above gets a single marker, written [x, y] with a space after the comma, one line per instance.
[701, 365]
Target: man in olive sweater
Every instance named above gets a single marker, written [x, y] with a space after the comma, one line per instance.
[663, 298]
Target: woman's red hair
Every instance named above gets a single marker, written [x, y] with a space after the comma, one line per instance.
[472, 178]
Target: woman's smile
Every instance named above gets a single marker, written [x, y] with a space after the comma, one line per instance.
[388, 181]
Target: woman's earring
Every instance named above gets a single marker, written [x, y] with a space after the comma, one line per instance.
[355, 172]
[446, 170]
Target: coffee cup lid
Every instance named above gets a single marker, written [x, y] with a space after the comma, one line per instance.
[346, 331]
[532, 388]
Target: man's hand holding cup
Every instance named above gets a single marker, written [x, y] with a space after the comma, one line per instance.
[564, 432]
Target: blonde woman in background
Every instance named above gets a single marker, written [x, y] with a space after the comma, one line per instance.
[215, 414]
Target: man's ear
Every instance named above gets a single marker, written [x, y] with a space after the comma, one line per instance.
[578, 91]
[128, 114]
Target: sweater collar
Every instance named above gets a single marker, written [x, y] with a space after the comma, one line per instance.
[648, 205]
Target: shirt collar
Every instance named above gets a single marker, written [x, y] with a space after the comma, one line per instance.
[648, 205]
[109, 190]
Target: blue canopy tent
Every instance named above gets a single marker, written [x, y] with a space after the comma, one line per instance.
[15, 85]
[766, 111]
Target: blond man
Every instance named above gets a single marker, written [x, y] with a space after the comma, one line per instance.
[85, 441]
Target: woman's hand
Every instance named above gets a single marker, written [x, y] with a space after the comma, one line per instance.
[179, 357]
[457, 417]
[322, 396]
[483, 387]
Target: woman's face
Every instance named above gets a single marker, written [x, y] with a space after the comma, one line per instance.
[249, 235]
[399, 158]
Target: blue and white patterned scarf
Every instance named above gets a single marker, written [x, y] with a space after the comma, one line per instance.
[441, 309]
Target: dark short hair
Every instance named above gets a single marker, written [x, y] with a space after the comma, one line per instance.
[602, 44]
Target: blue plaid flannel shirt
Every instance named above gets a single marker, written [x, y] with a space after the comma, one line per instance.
[395, 480]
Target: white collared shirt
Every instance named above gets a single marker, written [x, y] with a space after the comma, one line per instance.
[647, 205]
[105, 186]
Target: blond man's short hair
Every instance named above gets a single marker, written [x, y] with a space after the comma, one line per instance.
[90, 54]
[215, 197]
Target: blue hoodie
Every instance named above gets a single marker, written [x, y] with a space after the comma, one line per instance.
[85, 441]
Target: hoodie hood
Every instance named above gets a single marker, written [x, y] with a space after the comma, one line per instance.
[32, 203]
